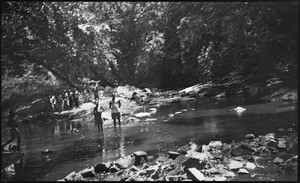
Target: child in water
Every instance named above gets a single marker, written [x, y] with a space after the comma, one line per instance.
[98, 117]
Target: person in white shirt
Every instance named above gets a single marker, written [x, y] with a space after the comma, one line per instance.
[115, 113]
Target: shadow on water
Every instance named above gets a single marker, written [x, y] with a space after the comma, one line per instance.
[201, 121]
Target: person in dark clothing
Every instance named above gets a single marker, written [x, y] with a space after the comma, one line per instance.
[98, 117]
[66, 100]
[14, 131]
[70, 98]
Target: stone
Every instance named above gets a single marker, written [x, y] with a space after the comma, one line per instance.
[249, 136]
[184, 149]
[205, 148]
[237, 151]
[281, 129]
[278, 160]
[250, 166]
[243, 171]
[215, 144]
[221, 95]
[239, 158]
[102, 167]
[173, 155]
[282, 144]
[272, 143]
[270, 136]
[142, 114]
[140, 153]
[218, 178]
[193, 163]
[197, 155]
[151, 119]
[88, 172]
[114, 168]
[193, 146]
[125, 162]
[195, 174]
[233, 164]
[179, 112]
[247, 147]
[171, 115]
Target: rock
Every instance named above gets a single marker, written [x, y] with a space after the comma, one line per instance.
[247, 148]
[195, 174]
[217, 178]
[140, 157]
[215, 144]
[239, 158]
[290, 96]
[281, 129]
[250, 166]
[205, 148]
[193, 163]
[72, 176]
[152, 110]
[278, 160]
[281, 144]
[249, 136]
[114, 168]
[242, 171]
[108, 90]
[220, 95]
[173, 155]
[193, 146]
[102, 167]
[132, 120]
[272, 143]
[237, 151]
[151, 119]
[140, 153]
[171, 115]
[270, 136]
[125, 162]
[142, 114]
[233, 165]
[88, 172]
[197, 155]
[179, 112]
[184, 149]
[291, 163]
[290, 130]
[47, 151]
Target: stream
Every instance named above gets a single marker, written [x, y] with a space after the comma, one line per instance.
[200, 121]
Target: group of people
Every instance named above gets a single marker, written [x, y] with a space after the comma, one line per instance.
[66, 101]
[114, 106]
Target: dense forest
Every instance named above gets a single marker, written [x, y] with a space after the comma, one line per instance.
[158, 44]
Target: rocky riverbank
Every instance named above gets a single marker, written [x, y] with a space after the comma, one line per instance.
[216, 161]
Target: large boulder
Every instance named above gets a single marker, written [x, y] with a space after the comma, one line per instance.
[102, 167]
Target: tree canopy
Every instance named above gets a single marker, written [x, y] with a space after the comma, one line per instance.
[166, 44]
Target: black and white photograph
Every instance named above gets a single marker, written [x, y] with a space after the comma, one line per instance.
[149, 91]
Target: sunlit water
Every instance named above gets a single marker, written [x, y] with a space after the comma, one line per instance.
[200, 121]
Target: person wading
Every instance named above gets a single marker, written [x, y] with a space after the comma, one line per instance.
[98, 117]
[14, 131]
[115, 113]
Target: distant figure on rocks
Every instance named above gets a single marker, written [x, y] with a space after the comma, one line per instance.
[53, 102]
[115, 113]
[14, 131]
[66, 98]
[76, 99]
[98, 117]
[71, 101]
[60, 103]
[115, 92]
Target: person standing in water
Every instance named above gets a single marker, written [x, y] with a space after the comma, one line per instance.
[115, 113]
[98, 117]
[14, 131]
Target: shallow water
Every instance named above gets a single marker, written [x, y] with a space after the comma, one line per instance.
[200, 121]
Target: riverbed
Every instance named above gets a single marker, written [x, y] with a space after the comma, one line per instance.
[200, 121]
